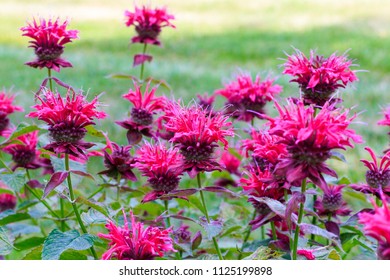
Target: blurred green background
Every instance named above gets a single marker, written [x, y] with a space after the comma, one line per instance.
[212, 41]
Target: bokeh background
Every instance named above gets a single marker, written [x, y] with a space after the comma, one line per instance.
[212, 41]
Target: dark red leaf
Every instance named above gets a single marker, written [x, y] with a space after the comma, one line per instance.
[220, 190]
[55, 180]
[141, 58]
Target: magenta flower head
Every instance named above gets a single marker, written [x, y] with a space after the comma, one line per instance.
[145, 105]
[377, 175]
[48, 40]
[163, 167]
[197, 134]
[386, 120]
[7, 201]
[332, 202]
[25, 153]
[67, 118]
[6, 108]
[319, 77]
[246, 98]
[310, 140]
[119, 163]
[148, 23]
[377, 225]
[136, 242]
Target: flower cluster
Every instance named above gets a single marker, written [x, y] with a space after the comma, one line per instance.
[137, 242]
[6, 108]
[67, 118]
[48, 40]
[246, 98]
[148, 23]
[319, 77]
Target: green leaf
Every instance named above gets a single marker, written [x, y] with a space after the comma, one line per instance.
[34, 254]
[29, 243]
[58, 242]
[213, 228]
[276, 206]
[20, 130]
[7, 191]
[197, 203]
[8, 217]
[230, 230]
[59, 165]
[73, 255]
[338, 156]
[91, 130]
[93, 217]
[123, 76]
[6, 242]
[344, 181]
[94, 205]
[334, 255]
[14, 180]
[264, 253]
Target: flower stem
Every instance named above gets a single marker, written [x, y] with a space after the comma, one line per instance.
[207, 215]
[300, 216]
[167, 211]
[76, 211]
[274, 236]
[247, 234]
[314, 220]
[50, 81]
[141, 76]
[118, 179]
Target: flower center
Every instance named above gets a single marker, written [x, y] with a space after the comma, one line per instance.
[23, 156]
[148, 31]
[65, 133]
[309, 155]
[332, 202]
[197, 152]
[141, 117]
[49, 53]
[378, 179]
[4, 121]
[165, 183]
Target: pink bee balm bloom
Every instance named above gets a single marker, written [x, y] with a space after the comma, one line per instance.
[246, 98]
[24, 152]
[119, 162]
[6, 108]
[48, 40]
[163, 167]
[148, 23]
[386, 120]
[332, 202]
[67, 118]
[308, 254]
[7, 201]
[197, 134]
[310, 139]
[377, 175]
[377, 225]
[319, 77]
[137, 242]
[145, 104]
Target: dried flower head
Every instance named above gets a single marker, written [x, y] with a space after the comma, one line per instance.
[48, 40]
[137, 242]
[148, 23]
[246, 98]
[67, 118]
[319, 77]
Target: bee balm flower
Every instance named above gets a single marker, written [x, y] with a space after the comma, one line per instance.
[6, 108]
[48, 40]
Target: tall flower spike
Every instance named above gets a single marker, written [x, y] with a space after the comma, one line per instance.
[377, 225]
[48, 40]
[137, 242]
[6, 108]
[319, 77]
[25, 153]
[148, 23]
[310, 139]
[246, 98]
[197, 134]
[145, 104]
[67, 118]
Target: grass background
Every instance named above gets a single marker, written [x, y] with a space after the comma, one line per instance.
[213, 40]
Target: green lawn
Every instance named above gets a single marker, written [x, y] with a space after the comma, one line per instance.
[213, 40]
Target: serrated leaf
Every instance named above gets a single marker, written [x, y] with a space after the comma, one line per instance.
[58, 242]
[29, 243]
[93, 217]
[213, 228]
[91, 130]
[14, 180]
[55, 180]
[8, 217]
[6, 242]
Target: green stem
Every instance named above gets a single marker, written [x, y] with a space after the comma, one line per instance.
[118, 179]
[314, 220]
[72, 198]
[207, 215]
[50, 81]
[167, 211]
[274, 236]
[95, 192]
[300, 216]
[247, 234]
[141, 76]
